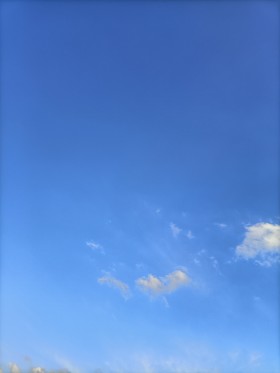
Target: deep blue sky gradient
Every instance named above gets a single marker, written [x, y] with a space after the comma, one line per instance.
[118, 119]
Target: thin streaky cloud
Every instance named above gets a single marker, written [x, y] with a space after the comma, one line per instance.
[221, 225]
[113, 282]
[94, 245]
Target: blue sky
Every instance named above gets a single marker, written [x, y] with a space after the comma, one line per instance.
[140, 190]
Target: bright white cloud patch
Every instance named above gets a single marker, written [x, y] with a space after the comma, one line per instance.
[116, 284]
[262, 243]
[175, 230]
[163, 285]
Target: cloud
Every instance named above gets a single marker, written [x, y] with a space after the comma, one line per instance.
[214, 262]
[255, 358]
[190, 235]
[155, 286]
[175, 230]
[94, 245]
[38, 370]
[221, 225]
[14, 368]
[116, 284]
[66, 366]
[261, 243]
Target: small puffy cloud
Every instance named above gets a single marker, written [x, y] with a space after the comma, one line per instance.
[154, 286]
[14, 368]
[175, 230]
[116, 284]
[38, 370]
[261, 243]
[94, 245]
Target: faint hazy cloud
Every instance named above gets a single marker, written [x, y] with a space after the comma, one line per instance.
[255, 358]
[66, 365]
[154, 286]
[14, 368]
[221, 225]
[94, 245]
[116, 284]
[262, 243]
[175, 230]
[214, 261]
[190, 235]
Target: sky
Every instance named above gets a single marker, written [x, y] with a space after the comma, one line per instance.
[140, 187]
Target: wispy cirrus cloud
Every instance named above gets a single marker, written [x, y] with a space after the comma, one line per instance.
[175, 230]
[221, 225]
[94, 245]
[155, 286]
[113, 282]
[261, 243]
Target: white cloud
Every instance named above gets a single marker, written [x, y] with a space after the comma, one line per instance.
[14, 368]
[116, 284]
[262, 243]
[163, 285]
[190, 235]
[37, 370]
[175, 230]
[94, 245]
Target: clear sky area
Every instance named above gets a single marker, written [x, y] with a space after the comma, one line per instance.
[140, 187]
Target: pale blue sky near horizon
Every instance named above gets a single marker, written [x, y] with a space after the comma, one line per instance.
[140, 186]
